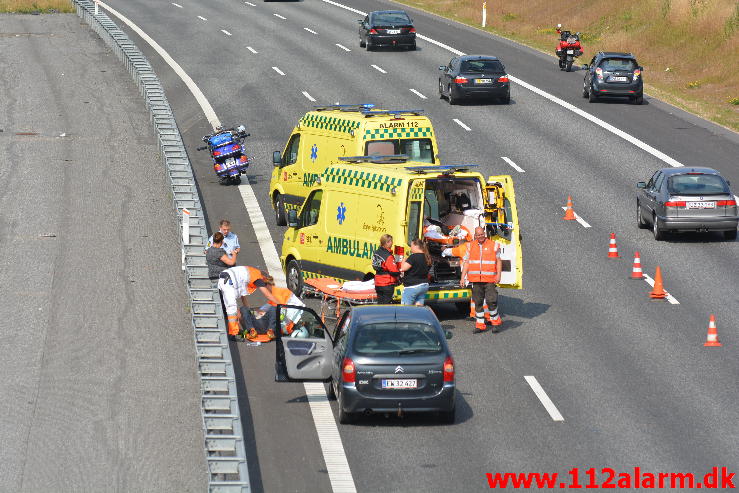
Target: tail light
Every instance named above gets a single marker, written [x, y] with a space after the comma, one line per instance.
[216, 153]
[503, 79]
[348, 371]
[637, 73]
[726, 203]
[599, 73]
[449, 369]
[412, 30]
[373, 31]
[460, 80]
[675, 203]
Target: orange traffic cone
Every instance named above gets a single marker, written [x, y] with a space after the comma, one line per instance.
[636, 272]
[612, 249]
[712, 336]
[658, 293]
[569, 213]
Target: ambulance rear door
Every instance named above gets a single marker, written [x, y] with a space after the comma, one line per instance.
[414, 212]
[501, 220]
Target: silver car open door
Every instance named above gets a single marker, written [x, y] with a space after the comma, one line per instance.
[304, 348]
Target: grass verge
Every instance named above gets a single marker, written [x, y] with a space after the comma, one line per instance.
[35, 6]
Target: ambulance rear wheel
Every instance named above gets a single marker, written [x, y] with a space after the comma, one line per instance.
[280, 214]
[294, 277]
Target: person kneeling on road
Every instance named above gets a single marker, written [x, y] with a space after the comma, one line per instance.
[239, 282]
[260, 325]
[482, 267]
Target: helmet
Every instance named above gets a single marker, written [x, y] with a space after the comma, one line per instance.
[559, 26]
[241, 129]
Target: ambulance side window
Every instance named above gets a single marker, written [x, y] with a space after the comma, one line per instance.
[291, 153]
[414, 220]
[309, 216]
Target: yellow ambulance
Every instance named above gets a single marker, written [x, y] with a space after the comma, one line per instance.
[358, 199]
[329, 132]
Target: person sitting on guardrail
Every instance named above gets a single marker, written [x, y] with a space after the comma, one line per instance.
[216, 257]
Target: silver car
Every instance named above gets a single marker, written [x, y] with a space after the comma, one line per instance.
[686, 199]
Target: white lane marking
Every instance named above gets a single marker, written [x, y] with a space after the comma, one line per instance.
[418, 94]
[458, 122]
[343, 47]
[578, 218]
[278, 71]
[339, 473]
[202, 18]
[513, 165]
[310, 98]
[310, 30]
[378, 69]
[177, 5]
[669, 297]
[607, 126]
[252, 50]
[278, 15]
[544, 398]
[226, 32]
[249, 3]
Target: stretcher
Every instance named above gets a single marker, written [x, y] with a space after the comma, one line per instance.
[332, 297]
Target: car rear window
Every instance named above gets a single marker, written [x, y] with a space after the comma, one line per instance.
[397, 338]
[696, 184]
[391, 19]
[612, 64]
[482, 66]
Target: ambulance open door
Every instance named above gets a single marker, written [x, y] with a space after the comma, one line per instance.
[415, 212]
[501, 221]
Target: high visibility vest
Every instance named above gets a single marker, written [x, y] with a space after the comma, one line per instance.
[254, 274]
[482, 260]
[460, 250]
[283, 296]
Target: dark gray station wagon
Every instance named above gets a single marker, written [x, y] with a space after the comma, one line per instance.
[379, 359]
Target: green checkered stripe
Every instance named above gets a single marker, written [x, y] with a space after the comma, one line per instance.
[396, 133]
[363, 179]
[417, 193]
[332, 123]
[451, 295]
[311, 275]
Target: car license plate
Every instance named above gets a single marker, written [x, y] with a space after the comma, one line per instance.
[393, 31]
[701, 205]
[400, 383]
[483, 81]
[619, 79]
[570, 52]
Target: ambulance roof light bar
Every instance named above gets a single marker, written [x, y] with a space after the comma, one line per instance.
[444, 169]
[395, 113]
[361, 107]
[380, 159]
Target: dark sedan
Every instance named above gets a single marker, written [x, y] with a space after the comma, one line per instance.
[613, 74]
[380, 359]
[387, 28]
[686, 199]
[474, 76]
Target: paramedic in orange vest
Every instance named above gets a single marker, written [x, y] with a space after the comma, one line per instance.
[262, 328]
[482, 268]
[241, 281]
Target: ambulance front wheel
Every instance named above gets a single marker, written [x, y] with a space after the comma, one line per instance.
[294, 277]
[280, 215]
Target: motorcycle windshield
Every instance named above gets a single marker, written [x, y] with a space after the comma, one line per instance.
[220, 139]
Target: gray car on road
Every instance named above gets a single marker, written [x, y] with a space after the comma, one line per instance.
[686, 199]
[379, 359]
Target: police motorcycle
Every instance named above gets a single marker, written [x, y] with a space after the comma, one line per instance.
[226, 148]
[568, 49]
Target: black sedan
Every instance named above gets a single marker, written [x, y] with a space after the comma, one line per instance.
[379, 359]
[474, 76]
[387, 28]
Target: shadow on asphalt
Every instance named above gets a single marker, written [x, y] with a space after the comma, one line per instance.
[690, 238]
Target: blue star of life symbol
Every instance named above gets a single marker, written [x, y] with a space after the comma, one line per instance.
[314, 153]
[341, 216]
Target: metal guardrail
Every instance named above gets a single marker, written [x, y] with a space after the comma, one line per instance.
[223, 435]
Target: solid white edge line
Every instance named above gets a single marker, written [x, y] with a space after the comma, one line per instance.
[582, 221]
[668, 296]
[544, 398]
[278, 70]
[339, 472]
[251, 4]
[252, 50]
[310, 30]
[379, 69]
[310, 98]
[607, 126]
[461, 124]
[278, 15]
[177, 5]
[418, 94]
[226, 32]
[343, 47]
[512, 164]
[202, 18]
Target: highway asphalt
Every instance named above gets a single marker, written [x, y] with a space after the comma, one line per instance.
[630, 376]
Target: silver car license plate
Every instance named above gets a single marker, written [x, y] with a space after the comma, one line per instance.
[483, 81]
[399, 383]
[619, 79]
[701, 205]
[393, 31]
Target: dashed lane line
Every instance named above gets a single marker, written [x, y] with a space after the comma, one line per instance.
[343, 47]
[252, 50]
[177, 5]
[202, 18]
[250, 4]
[582, 221]
[544, 398]
[418, 94]
[512, 164]
[278, 70]
[379, 69]
[461, 124]
[226, 32]
[671, 299]
[310, 30]
[280, 17]
[337, 466]
[310, 98]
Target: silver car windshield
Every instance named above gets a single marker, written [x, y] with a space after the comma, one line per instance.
[397, 338]
[696, 184]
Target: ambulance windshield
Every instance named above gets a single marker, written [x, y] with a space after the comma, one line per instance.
[420, 150]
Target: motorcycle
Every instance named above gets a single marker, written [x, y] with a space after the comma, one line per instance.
[568, 49]
[226, 148]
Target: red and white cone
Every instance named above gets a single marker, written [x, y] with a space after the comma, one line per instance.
[712, 336]
[612, 249]
[636, 272]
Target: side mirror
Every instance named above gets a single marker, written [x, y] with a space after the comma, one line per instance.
[442, 67]
[641, 184]
[292, 218]
[448, 334]
[276, 158]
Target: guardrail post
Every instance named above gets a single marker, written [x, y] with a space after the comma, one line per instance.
[185, 234]
[484, 13]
